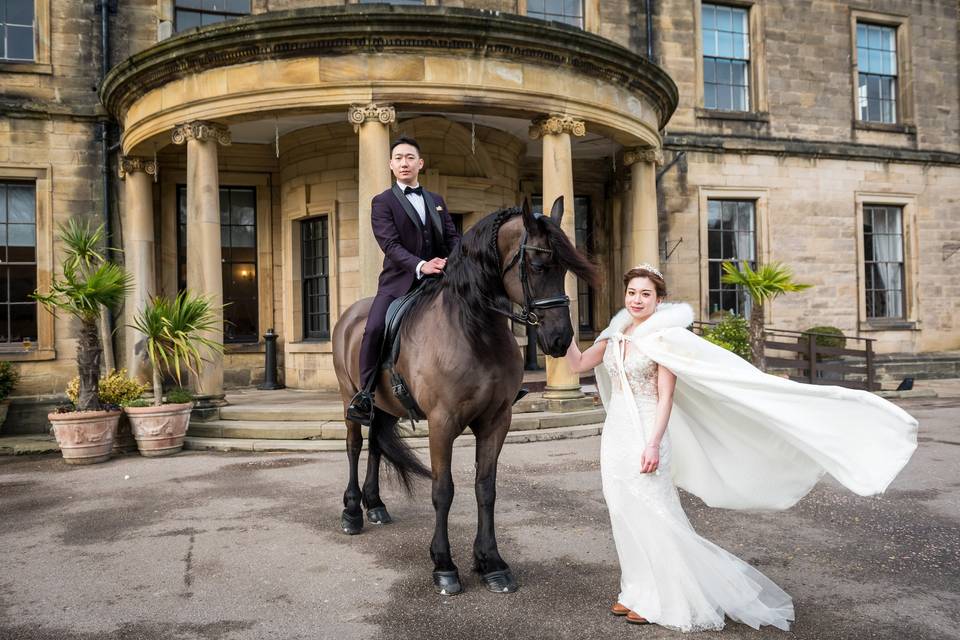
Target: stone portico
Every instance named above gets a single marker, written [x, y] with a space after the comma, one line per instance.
[297, 128]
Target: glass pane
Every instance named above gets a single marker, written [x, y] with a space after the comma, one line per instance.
[745, 216]
[725, 44]
[243, 237]
[238, 6]
[876, 61]
[187, 20]
[3, 201]
[21, 203]
[739, 18]
[3, 289]
[709, 73]
[535, 6]
[21, 235]
[212, 18]
[19, 12]
[19, 43]
[224, 206]
[724, 72]
[709, 43]
[739, 47]
[724, 19]
[23, 282]
[740, 102]
[190, 4]
[225, 241]
[713, 245]
[874, 38]
[710, 96]
[861, 35]
[573, 8]
[243, 212]
[713, 277]
[729, 211]
[23, 322]
[728, 248]
[713, 213]
[709, 17]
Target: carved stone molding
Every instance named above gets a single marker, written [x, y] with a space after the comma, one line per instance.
[132, 164]
[359, 114]
[201, 130]
[557, 123]
[641, 154]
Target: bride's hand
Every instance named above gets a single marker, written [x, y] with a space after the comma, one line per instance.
[650, 459]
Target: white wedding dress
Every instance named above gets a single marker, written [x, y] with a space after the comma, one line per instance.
[737, 438]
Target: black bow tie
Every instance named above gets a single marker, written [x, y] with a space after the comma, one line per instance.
[416, 190]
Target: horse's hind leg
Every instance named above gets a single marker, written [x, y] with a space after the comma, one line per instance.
[351, 520]
[486, 557]
[376, 510]
[446, 577]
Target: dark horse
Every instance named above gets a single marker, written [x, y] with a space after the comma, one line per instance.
[461, 363]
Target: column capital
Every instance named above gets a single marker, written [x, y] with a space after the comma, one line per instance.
[359, 114]
[634, 155]
[131, 164]
[557, 123]
[201, 130]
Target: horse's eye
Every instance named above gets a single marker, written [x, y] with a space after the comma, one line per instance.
[536, 267]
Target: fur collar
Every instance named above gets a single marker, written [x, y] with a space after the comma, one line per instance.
[667, 316]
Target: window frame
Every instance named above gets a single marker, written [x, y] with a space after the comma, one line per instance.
[904, 96]
[323, 336]
[591, 14]
[228, 15]
[760, 198]
[757, 90]
[907, 203]
[41, 63]
[43, 348]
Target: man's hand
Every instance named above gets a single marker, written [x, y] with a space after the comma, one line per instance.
[432, 267]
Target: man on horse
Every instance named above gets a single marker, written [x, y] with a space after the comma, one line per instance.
[416, 233]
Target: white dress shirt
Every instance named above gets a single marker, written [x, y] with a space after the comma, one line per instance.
[417, 201]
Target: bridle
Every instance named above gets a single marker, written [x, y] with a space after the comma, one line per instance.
[528, 311]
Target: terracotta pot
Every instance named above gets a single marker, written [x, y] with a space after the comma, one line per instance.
[85, 437]
[159, 431]
[124, 442]
[4, 408]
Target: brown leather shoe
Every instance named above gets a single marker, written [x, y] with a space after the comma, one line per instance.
[634, 618]
[619, 610]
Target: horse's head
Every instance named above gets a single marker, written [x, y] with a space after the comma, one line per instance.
[536, 255]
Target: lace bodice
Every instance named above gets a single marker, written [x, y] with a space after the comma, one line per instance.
[641, 371]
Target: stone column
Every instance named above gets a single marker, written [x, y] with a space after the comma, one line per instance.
[372, 123]
[555, 131]
[139, 257]
[644, 240]
[204, 266]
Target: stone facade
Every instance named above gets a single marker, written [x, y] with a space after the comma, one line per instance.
[800, 154]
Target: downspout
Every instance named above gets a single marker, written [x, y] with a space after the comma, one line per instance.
[649, 14]
[106, 316]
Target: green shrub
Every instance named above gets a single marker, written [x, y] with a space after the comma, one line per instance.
[9, 377]
[115, 389]
[731, 333]
[835, 339]
[179, 396]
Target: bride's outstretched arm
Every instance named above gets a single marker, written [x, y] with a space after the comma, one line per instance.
[666, 383]
[580, 362]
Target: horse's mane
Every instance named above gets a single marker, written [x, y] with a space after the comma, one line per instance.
[472, 282]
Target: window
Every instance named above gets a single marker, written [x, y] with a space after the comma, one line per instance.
[238, 242]
[731, 237]
[876, 73]
[566, 11]
[883, 261]
[18, 262]
[726, 58]
[315, 275]
[17, 24]
[199, 13]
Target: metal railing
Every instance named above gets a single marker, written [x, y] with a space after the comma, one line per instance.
[798, 354]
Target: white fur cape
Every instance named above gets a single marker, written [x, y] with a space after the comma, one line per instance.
[743, 439]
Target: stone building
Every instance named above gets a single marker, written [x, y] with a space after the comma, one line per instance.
[234, 146]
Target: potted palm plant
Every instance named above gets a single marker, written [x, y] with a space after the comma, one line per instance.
[763, 284]
[174, 333]
[88, 285]
[116, 390]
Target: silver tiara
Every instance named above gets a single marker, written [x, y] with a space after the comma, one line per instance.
[649, 267]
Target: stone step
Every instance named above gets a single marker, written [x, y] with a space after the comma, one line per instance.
[313, 412]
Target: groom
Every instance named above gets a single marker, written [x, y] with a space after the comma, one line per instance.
[416, 233]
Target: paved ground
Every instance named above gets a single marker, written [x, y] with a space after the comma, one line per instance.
[241, 546]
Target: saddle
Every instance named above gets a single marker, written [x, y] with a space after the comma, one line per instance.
[390, 351]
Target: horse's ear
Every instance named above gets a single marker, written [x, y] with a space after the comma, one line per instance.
[556, 211]
[529, 218]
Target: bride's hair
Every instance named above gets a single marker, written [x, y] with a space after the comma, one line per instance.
[659, 285]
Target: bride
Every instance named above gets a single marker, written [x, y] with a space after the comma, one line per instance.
[684, 412]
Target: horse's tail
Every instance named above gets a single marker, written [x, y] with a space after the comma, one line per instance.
[385, 440]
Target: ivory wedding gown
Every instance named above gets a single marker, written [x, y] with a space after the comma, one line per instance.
[737, 438]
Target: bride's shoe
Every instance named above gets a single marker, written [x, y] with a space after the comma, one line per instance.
[634, 618]
[619, 610]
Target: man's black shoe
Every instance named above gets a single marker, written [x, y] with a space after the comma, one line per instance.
[361, 408]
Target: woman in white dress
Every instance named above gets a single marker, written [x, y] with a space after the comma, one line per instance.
[684, 412]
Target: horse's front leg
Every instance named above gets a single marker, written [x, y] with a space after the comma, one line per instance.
[446, 577]
[495, 572]
[376, 510]
[351, 520]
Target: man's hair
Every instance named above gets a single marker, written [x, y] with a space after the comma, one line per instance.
[404, 140]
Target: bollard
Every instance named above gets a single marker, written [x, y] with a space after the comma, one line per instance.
[270, 363]
[530, 352]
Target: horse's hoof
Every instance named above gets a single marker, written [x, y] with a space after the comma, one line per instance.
[447, 583]
[500, 581]
[351, 524]
[378, 515]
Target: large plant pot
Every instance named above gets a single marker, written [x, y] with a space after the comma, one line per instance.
[85, 437]
[159, 431]
[125, 442]
[4, 408]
